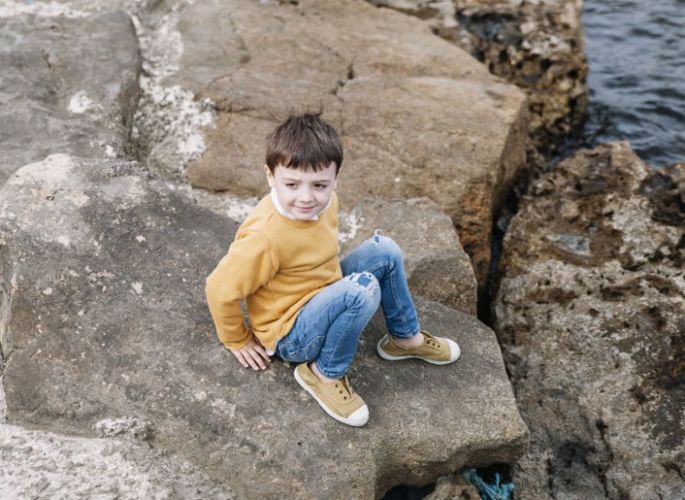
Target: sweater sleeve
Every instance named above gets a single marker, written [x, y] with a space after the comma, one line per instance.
[249, 264]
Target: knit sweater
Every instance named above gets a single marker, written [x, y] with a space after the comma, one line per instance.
[277, 264]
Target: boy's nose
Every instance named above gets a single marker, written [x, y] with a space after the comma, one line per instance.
[306, 195]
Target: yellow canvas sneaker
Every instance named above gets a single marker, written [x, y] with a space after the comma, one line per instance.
[336, 398]
[435, 350]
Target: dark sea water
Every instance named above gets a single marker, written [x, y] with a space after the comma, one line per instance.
[636, 53]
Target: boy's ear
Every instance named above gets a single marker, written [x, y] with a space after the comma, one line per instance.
[269, 176]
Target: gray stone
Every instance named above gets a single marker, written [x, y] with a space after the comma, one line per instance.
[536, 45]
[130, 427]
[418, 116]
[40, 464]
[590, 316]
[68, 85]
[437, 267]
[102, 274]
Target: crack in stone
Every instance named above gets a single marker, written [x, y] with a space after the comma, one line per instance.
[5, 303]
[602, 427]
[343, 83]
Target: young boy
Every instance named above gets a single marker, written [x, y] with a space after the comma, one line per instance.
[304, 305]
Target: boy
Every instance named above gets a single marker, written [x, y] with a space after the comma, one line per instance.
[304, 304]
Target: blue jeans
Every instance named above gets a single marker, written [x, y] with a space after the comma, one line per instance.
[328, 327]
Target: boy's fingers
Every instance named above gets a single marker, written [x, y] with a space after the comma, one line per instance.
[258, 360]
[252, 363]
[263, 354]
[241, 359]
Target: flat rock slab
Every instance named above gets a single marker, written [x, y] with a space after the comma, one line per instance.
[417, 115]
[104, 318]
[590, 316]
[68, 85]
[437, 266]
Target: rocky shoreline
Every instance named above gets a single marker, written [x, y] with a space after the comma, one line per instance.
[149, 140]
[590, 318]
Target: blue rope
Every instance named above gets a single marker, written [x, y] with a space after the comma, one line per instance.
[487, 491]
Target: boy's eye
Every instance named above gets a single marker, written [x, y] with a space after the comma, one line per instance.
[291, 185]
[320, 186]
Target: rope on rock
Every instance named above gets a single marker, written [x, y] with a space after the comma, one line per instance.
[488, 491]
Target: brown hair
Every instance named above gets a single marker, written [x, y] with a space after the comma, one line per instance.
[303, 142]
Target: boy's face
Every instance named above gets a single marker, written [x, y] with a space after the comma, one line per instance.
[302, 193]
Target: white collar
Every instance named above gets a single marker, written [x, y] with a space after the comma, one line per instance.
[284, 213]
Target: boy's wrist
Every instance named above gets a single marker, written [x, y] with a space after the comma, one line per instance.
[236, 346]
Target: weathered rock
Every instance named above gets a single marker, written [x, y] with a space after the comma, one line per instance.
[40, 464]
[590, 314]
[454, 487]
[437, 267]
[102, 275]
[418, 116]
[537, 45]
[68, 85]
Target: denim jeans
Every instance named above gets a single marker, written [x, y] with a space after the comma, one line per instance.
[328, 327]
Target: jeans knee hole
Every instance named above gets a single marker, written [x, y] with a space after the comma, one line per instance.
[363, 280]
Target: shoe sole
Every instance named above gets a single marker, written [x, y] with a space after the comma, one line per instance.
[390, 357]
[322, 405]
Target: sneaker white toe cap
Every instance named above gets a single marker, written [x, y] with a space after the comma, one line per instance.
[455, 351]
[359, 417]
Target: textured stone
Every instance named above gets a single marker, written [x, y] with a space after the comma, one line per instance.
[40, 464]
[454, 487]
[104, 319]
[436, 265]
[537, 45]
[418, 116]
[590, 315]
[68, 85]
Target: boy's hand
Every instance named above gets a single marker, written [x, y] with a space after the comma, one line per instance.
[252, 355]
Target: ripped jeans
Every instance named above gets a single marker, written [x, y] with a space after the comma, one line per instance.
[328, 327]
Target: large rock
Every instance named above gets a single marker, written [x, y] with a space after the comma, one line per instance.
[104, 318]
[537, 45]
[68, 85]
[590, 314]
[436, 265]
[40, 464]
[418, 116]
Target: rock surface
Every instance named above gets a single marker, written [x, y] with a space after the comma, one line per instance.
[68, 85]
[452, 488]
[41, 465]
[418, 116]
[537, 45]
[436, 265]
[104, 318]
[590, 313]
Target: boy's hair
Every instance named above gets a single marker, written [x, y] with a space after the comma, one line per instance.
[303, 142]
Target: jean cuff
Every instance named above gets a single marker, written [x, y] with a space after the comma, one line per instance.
[328, 373]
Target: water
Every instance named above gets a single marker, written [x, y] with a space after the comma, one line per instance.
[636, 53]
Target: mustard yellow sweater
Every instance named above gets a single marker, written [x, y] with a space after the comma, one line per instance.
[277, 264]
